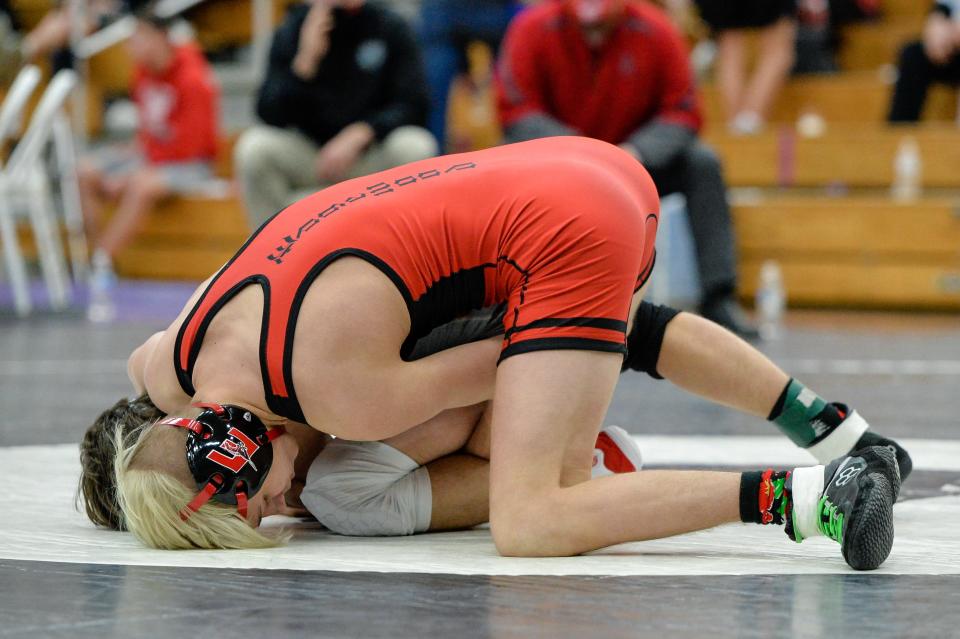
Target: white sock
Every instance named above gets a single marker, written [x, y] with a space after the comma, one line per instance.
[842, 440]
[807, 487]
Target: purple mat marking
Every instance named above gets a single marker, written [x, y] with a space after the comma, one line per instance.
[135, 300]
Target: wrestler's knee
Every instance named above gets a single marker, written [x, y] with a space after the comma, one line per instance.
[368, 489]
[525, 527]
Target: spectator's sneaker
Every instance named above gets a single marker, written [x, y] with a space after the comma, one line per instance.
[616, 452]
[855, 507]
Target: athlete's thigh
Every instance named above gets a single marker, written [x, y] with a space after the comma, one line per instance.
[546, 404]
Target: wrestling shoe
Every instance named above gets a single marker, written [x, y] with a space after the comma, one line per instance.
[904, 463]
[850, 501]
[852, 434]
[615, 452]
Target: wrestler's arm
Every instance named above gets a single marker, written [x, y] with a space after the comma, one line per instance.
[411, 393]
[350, 376]
[366, 489]
[365, 391]
[137, 362]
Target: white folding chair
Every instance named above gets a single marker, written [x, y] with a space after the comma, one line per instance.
[11, 115]
[24, 182]
[66, 156]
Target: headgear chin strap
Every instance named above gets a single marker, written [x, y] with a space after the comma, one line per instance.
[229, 454]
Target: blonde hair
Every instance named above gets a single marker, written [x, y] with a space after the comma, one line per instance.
[150, 502]
[97, 489]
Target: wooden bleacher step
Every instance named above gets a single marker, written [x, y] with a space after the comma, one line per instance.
[854, 251]
[846, 155]
[186, 238]
[854, 97]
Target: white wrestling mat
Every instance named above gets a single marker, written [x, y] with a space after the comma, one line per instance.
[41, 523]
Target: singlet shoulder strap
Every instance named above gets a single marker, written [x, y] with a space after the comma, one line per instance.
[190, 336]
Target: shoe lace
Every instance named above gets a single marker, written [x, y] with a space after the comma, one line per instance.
[830, 521]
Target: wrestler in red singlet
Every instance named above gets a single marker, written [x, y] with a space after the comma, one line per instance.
[561, 229]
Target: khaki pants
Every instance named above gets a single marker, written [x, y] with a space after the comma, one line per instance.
[276, 166]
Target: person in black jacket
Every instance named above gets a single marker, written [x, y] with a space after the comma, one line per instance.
[344, 96]
[934, 58]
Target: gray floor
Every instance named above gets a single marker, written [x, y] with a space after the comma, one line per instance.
[136, 601]
[903, 373]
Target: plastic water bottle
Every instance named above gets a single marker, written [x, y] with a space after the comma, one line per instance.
[102, 283]
[907, 168]
[771, 301]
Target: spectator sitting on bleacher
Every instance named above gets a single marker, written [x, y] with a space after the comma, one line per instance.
[50, 38]
[747, 100]
[344, 96]
[177, 97]
[619, 71]
[935, 58]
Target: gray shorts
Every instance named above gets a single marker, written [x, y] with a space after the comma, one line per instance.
[179, 177]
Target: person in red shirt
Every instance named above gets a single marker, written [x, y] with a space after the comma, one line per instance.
[177, 98]
[618, 71]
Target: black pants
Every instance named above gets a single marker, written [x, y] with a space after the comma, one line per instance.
[917, 73]
[698, 175]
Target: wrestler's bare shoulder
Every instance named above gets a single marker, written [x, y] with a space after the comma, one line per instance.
[153, 362]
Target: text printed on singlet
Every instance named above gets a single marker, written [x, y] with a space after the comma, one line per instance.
[375, 190]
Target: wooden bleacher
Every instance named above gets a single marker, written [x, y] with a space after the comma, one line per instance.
[30, 12]
[859, 249]
[850, 97]
[854, 251]
[847, 155]
[186, 238]
[871, 45]
[227, 23]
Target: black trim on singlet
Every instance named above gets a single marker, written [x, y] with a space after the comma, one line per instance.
[291, 406]
[185, 377]
[561, 343]
[446, 299]
[449, 297]
[590, 322]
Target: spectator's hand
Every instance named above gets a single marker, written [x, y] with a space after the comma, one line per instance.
[341, 152]
[939, 39]
[314, 40]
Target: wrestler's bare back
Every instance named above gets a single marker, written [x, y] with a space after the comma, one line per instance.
[346, 367]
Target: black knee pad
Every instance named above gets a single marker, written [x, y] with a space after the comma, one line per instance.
[646, 338]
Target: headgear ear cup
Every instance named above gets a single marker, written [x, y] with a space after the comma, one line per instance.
[229, 454]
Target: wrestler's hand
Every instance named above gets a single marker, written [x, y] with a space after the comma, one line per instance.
[292, 506]
[341, 152]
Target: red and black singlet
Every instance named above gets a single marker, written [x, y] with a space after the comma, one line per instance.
[561, 229]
